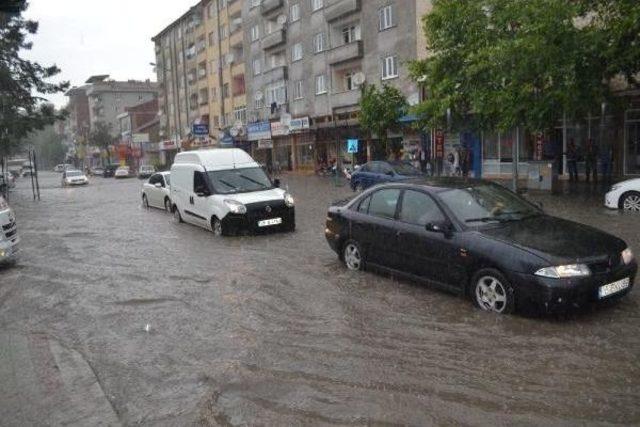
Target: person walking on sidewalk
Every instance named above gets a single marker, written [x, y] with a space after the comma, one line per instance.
[591, 161]
[572, 161]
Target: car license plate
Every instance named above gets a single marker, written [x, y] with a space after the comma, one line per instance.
[612, 288]
[269, 222]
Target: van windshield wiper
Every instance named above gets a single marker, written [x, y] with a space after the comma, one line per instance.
[222, 181]
[252, 180]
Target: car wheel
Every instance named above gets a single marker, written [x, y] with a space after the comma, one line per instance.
[352, 256]
[216, 227]
[492, 292]
[145, 202]
[176, 215]
[167, 204]
[630, 201]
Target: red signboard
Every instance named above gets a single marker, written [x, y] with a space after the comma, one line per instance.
[439, 149]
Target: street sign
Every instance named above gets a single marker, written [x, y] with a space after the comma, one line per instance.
[352, 146]
[200, 129]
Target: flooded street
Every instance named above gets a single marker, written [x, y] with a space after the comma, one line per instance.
[163, 323]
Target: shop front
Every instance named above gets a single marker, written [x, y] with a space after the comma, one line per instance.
[259, 135]
[168, 150]
[282, 147]
[631, 149]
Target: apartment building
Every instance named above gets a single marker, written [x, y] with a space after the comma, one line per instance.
[200, 67]
[306, 61]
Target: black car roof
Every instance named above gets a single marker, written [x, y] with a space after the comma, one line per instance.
[439, 184]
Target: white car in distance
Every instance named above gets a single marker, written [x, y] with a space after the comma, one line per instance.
[122, 172]
[74, 177]
[624, 195]
[156, 192]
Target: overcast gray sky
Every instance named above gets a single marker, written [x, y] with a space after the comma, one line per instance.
[87, 37]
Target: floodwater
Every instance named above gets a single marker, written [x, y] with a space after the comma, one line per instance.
[180, 327]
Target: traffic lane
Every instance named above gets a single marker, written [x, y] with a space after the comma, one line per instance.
[273, 329]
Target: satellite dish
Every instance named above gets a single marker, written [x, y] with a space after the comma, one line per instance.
[281, 19]
[234, 132]
[359, 78]
[220, 135]
[258, 96]
[237, 124]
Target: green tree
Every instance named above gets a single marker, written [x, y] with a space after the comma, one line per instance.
[48, 145]
[380, 110]
[505, 63]
[22, 110]
[101, 137]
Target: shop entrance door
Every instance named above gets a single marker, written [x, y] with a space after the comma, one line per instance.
[632, 142]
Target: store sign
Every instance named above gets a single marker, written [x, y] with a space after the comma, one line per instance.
[279, 129]
[352, 146]
[296, 125]
[140, 138]
[264, 144]
[439, 144]
[258, 131]
[200, 129]
[168, 145]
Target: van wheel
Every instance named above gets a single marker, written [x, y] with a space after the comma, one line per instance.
[167, 204]
[176, 215]
[216, 227]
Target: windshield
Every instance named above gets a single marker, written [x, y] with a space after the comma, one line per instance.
[403, 168]
[487, 203]
[239, 180]
[73, 173]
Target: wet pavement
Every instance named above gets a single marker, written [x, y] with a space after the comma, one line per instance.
[115, 313]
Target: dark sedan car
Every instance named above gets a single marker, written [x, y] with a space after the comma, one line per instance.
[110, 170]
[377, 172]
[480, 240]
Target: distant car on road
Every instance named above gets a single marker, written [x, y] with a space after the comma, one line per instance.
[624, 195]
[27, 170]
[8, 233]
[122, 172]
[74, 177]
[110, 170]
[145, 171]
[97, 171]
[377, 172]
[156, 191]
[480, 240]
[62, 167]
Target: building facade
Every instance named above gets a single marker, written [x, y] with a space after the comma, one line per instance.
[200, 68]
[306, 61]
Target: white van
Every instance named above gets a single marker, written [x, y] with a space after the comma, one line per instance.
[224, 190]
[8, 233]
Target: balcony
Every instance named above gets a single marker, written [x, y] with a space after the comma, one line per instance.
[274, 39]
[274, 75]
[345, 99]
[345, 53]
[236, 39]
[268, 6]
[341, 8]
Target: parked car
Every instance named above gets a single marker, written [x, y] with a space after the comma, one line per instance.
[110, 170]
[480, 240]
[224, 190]
[122, 172]
[145, 171]
[62, 167]
[377, 172]
[97, 171]
[27, 170]
[156, 191]
[74, 177]
[8, 233]
[624, 195]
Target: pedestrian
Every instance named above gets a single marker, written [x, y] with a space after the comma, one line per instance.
[464, 161]
[606, 163]
[572, 161]
[423, 160]
[591, 161]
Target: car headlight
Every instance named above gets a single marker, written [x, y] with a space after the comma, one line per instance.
[288, 200]
[614, 188]
[235, 206]
[563, 271]
[627, 256]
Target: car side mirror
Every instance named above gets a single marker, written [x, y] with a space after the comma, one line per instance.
[158, 185]
[439, 227]
[276, 183]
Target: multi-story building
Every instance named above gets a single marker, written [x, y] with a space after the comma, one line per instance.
[200, 67]
[139, 129]
[306, 61]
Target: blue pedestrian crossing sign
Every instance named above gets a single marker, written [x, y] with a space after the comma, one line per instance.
[352, 146]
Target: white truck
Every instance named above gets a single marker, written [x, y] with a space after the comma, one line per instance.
[8, 233]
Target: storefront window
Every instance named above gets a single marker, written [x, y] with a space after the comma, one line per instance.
[305, 154]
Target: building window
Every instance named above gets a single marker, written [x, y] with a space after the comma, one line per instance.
[298, 89]
[222, 4]
[294, 13]
[255, 33]
[238, 85]
[258, 103]
[348, 80]
[240, 114]
[277, 60]
[276, 93]
[385, 17]
[212, 38]
[257, 66]
[389, 67]
[350, 34]
[225, 91]
[211, 10]
[224, 32]
[316, 5]
[321, 84]
[255, 3]
[296, 52]
[319, 42]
